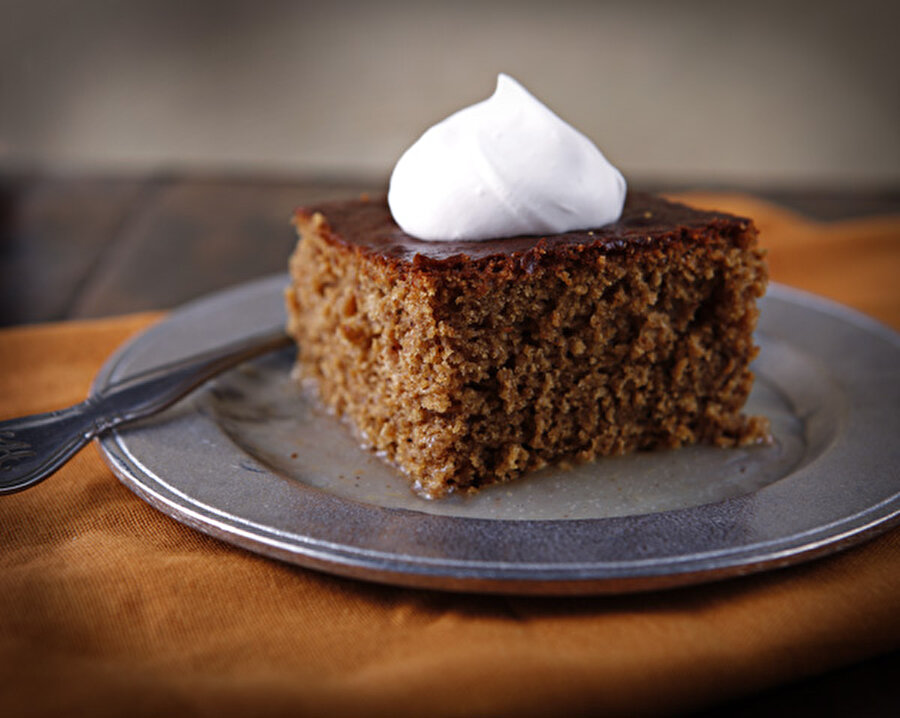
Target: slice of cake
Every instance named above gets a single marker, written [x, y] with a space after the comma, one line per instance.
[470, 363]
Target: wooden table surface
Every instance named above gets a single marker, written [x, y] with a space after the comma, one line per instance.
[91, 246]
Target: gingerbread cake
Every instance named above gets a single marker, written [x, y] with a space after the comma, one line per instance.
[471, 363]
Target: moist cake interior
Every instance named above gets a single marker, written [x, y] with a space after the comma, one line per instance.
[471, 363]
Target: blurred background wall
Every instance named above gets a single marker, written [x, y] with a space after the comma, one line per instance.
[696, 91]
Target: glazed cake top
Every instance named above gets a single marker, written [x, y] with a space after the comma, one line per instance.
[646, 221]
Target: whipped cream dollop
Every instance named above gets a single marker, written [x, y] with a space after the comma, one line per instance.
[503, 167]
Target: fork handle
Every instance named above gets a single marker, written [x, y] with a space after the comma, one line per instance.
[34, 447]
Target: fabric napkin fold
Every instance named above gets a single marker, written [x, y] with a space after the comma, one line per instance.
[108, 607]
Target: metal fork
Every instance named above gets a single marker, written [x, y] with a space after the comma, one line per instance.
[34, 447]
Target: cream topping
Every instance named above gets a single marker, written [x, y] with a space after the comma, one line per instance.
[503, 167]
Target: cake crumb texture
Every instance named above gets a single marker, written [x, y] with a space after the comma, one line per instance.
[466, 373]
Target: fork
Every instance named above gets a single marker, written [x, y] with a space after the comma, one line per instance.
[34, 447]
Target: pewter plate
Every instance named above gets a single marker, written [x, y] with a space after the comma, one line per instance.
[252, 460]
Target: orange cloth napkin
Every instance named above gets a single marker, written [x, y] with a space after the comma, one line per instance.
[110, 608]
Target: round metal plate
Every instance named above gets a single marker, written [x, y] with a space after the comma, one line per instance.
[249, 458]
